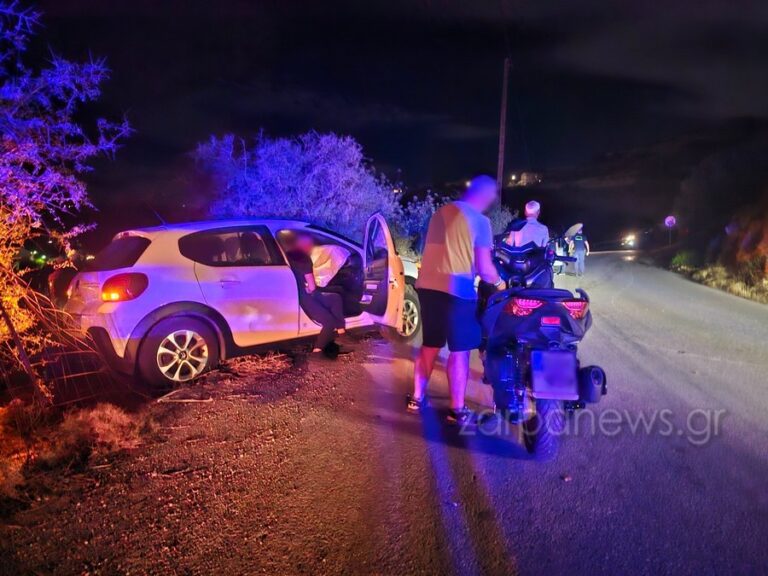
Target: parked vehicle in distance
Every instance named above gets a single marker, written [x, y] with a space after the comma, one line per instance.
[168, 303]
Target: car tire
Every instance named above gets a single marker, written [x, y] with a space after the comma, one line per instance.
[177, 350]
[411, 319]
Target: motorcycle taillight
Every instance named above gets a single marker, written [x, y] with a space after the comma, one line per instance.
[576, 308]
[522, 306]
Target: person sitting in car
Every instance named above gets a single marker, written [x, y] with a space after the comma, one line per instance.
[327, 260]
[338, 270]
[324, 308]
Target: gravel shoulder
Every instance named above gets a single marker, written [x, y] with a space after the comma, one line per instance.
[251, 473]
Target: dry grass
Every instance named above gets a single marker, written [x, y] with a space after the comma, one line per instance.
[746, 287]
[33, 440]
[30, 443]
[250, 367]
[98, 431]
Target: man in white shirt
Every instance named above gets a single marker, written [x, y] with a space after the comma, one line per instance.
[533, 231]
[327, 260]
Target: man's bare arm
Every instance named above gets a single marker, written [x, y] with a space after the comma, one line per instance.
[309, 279]
[485, 268]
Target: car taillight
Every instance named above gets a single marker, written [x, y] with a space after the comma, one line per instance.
[576, 308]
[522, 306]
[124, 287]
[550, 320]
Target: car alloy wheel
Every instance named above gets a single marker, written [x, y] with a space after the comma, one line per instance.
[182, 355]
[410, 318]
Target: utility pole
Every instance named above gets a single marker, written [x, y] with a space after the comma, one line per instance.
[503, 126]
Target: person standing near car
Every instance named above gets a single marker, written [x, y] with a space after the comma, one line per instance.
[457, 249]
[579, 248]
[324, 308]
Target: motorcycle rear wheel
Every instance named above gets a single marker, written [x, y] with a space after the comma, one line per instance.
[542, 431]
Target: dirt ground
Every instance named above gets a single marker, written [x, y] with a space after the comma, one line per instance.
[240, 477]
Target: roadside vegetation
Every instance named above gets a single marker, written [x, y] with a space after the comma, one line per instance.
[45, 151]
[324, 179]
[745, 279]
[44, 154]
[722, 212]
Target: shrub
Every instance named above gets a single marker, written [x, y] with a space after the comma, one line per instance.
[44, 153]
[751, 272]
[320, 178]
[686, 260]
[323, 179]
[500, 217]
[410, 222]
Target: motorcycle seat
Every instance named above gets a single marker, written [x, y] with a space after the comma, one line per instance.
[545, 293]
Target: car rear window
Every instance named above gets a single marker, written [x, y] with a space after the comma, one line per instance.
[238, 246]
[122, 252]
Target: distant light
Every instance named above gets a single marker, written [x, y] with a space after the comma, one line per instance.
[514, 177]
[90, 257]
[467, 183]
[670, 221]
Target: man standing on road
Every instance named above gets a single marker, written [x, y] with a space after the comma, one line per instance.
[533, 230]
[457, 249]
[579, 247]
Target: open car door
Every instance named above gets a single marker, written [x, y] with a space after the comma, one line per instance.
[384, 283]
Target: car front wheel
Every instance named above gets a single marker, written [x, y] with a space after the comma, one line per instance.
[411, 318]
[177, 350]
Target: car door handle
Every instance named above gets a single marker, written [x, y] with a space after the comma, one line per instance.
[229, 282]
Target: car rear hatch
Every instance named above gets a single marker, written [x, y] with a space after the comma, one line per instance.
[119, 255]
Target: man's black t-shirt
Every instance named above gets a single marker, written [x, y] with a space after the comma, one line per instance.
[301, 264]
[579, 243]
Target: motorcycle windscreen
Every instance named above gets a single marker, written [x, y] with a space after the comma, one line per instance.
[384, 282]
[554, 375]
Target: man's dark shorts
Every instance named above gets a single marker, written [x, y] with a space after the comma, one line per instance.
[447, 319]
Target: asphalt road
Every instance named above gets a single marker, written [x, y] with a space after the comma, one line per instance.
[685, 491]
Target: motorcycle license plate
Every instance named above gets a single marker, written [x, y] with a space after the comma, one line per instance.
[554, 375]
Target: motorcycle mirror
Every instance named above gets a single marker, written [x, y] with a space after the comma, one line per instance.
[515, 226]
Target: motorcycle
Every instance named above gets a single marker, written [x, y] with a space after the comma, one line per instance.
[531, 360]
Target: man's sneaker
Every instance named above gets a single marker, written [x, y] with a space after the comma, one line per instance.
[459, 417]
[415, 406]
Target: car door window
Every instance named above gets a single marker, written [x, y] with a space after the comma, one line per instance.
[285, 238]
[227, 247]
[376, 247]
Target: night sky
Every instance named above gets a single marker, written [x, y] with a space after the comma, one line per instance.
[416, 82]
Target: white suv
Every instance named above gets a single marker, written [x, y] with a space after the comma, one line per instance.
[167, 303]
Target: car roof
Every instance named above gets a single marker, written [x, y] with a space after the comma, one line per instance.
[201, 225]
[184, 228]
